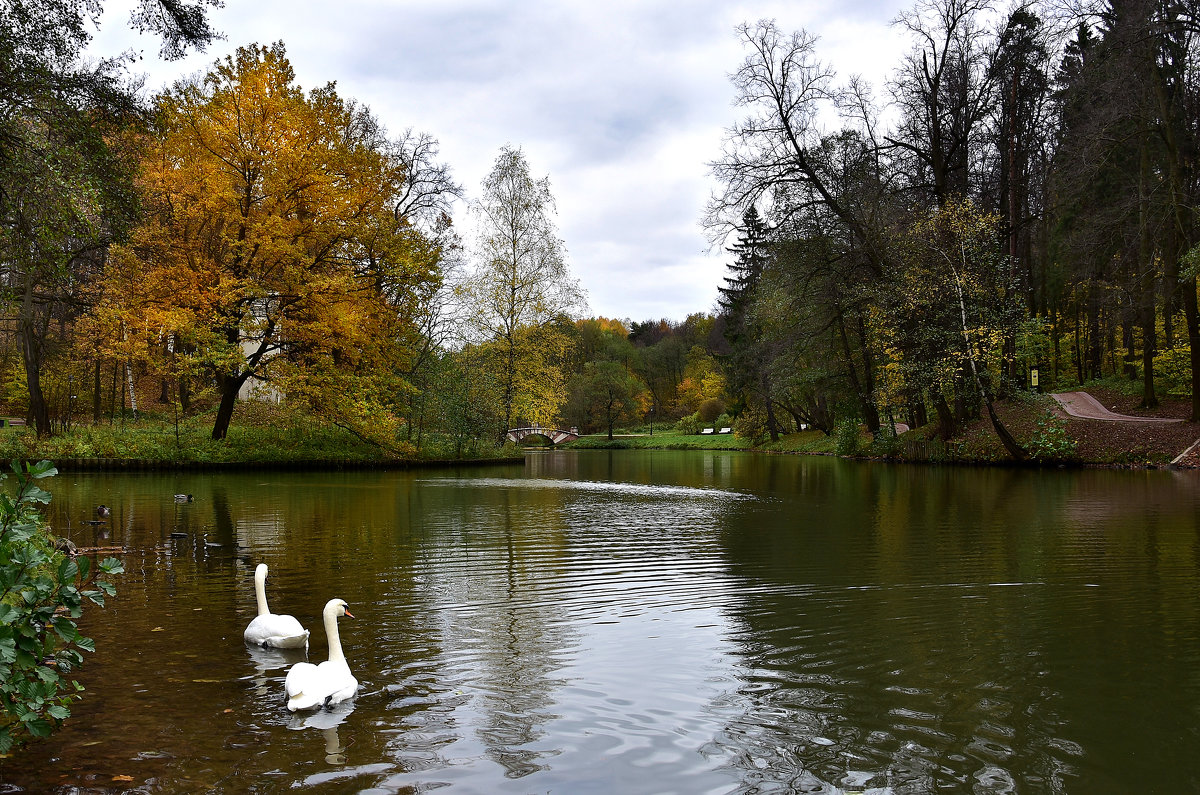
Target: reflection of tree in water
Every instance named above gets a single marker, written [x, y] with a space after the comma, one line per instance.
[519, 643]
[503, 639]
[877, 651]
[820, 704]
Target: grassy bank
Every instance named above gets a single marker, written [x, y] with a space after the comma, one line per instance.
[1051, 437]
[806, 442]
[259, 434]
[264, 434]
[660, 440]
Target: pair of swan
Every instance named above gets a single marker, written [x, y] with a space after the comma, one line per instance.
[306, 685]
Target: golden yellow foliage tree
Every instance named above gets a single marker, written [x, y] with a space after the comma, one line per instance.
[271, 250]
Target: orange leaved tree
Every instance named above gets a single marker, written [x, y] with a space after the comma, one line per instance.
[270, 250]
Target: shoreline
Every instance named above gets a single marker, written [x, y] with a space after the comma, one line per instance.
[147, 465]
[962, 462]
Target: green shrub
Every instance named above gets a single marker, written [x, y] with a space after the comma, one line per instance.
[42, 593]
[846, 437]
[886, 445]
[710, 410]
[751, 425]
[1174, 370]
[1050, 441]
[689, 424]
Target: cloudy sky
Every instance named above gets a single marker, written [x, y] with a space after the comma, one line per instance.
[622, 104]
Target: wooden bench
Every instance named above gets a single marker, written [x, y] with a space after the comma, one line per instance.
[706, 430]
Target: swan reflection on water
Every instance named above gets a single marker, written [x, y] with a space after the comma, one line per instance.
[326, 720]
[266, 660]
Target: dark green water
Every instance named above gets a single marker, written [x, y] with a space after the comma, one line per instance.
[647, 622]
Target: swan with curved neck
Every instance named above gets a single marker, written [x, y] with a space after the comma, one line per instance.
[271, 630]
[329, 683]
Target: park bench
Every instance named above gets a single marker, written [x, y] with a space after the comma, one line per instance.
[706, 430]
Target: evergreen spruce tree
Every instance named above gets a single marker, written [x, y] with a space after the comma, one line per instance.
[746, 362]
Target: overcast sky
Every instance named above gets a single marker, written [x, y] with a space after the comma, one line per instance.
[621, 104]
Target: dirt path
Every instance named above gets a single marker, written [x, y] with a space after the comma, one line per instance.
[1084, 406]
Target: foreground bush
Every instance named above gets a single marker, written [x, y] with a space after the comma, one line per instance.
[42, 592]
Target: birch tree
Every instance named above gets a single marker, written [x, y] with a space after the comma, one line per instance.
[521, 292]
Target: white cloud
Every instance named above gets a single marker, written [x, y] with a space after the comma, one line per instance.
[621, 104]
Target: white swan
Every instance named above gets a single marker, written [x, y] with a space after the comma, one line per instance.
[329, 683]
[268, 629]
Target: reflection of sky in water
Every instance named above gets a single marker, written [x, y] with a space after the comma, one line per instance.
[694, 623]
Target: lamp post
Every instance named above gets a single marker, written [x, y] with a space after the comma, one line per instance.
[652, 420]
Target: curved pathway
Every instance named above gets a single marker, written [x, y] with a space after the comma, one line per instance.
[1084, 406]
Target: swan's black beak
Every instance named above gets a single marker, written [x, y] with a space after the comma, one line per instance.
[349, 614]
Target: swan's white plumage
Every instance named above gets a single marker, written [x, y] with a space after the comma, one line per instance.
[269, 629]
[331, 682]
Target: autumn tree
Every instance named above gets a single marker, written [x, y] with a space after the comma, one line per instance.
[521, 293]
[271, 249]
[668, 359]
[605, 392]
[605, 387]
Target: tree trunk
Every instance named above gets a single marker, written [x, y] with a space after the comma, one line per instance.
[31, 355]
[870, 414]
[1010, 444]
[870, 410]
[37, 399]
[1094, 354]
[772, 422]
[132, 392]
[230, 385]
[96, 406]
[509, 378]
[1130, 358]
[946, 427]
[112, 395]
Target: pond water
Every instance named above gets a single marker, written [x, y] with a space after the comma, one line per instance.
[645, 622]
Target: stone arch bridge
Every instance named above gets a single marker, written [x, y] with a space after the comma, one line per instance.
[555, 435]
